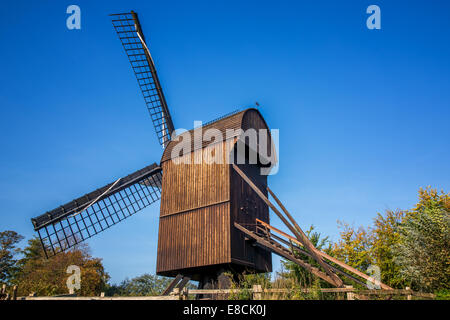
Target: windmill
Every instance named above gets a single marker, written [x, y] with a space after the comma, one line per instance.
[214, 215]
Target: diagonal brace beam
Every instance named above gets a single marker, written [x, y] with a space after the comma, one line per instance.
[278, 249]
[336, 281]
[323, 254]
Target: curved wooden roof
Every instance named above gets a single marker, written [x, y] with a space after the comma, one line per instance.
[246, 119]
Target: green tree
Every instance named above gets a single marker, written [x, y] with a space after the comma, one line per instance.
[354, 246]
[423, 250]
[48, 277]
[298, 274]
[384, 236]
[8, 251]
[245, 281]
[144, 285]
[411, 248]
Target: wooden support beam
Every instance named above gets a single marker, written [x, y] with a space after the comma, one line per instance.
[336, 281]
[324, 255]
[183, 282]
[306, 242]
[285, 254]
[309, 255]
[172, 285]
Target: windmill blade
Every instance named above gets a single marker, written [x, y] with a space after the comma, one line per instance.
[130, 34]
[82, 218]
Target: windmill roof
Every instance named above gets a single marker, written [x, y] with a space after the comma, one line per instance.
[234, 121]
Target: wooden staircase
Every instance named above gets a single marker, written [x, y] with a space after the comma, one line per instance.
[293, 247]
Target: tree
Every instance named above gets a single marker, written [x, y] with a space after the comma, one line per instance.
[8, 250]
[48, 277]
[423, 250]
[298, 274]
[144, 285]
[411, 248]
[354, 247]
[384, 236]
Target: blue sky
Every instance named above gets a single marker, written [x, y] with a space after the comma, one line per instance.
[363, 114]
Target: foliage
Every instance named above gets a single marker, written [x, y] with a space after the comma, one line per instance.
[385, 235]
[299, 276]
[412, 248]
[354, 247]
[294, 277]
[423, 250]
[144, 285]
[442, 294]
[245, 282]
[8, 251]
[47, 277]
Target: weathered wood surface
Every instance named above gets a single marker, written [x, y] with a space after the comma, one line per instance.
[247, 119]
[194, 238]
[172, 285]
[200, 201]
[246, 207]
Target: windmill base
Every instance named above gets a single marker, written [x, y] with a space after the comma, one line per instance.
[210, 273]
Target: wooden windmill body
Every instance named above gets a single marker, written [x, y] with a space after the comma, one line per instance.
[201, 202]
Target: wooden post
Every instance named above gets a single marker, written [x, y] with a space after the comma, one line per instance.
[257, 292]
[350, 294]
[14, 294]
[409, 296]
[3, 289]
[176, 292]
[185, 293]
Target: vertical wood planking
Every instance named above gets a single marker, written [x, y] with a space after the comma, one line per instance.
[199, 238]
[200, 202]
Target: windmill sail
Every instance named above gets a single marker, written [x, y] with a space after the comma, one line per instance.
[132, 38]
[80, 219]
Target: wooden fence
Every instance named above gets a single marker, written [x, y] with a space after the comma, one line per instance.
[351, 293]
[255, 293]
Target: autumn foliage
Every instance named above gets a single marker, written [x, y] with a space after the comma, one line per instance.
[47, 277]
[410, 248]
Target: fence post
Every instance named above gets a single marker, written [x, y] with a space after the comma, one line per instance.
[409, 296]
[185, 293]
[14, 293]
[350, 294]
[257, 292]
[176, 292]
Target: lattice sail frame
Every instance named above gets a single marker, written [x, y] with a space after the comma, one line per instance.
[129, 30]
[80, 219]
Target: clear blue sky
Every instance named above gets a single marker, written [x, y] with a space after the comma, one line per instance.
[363, 114]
